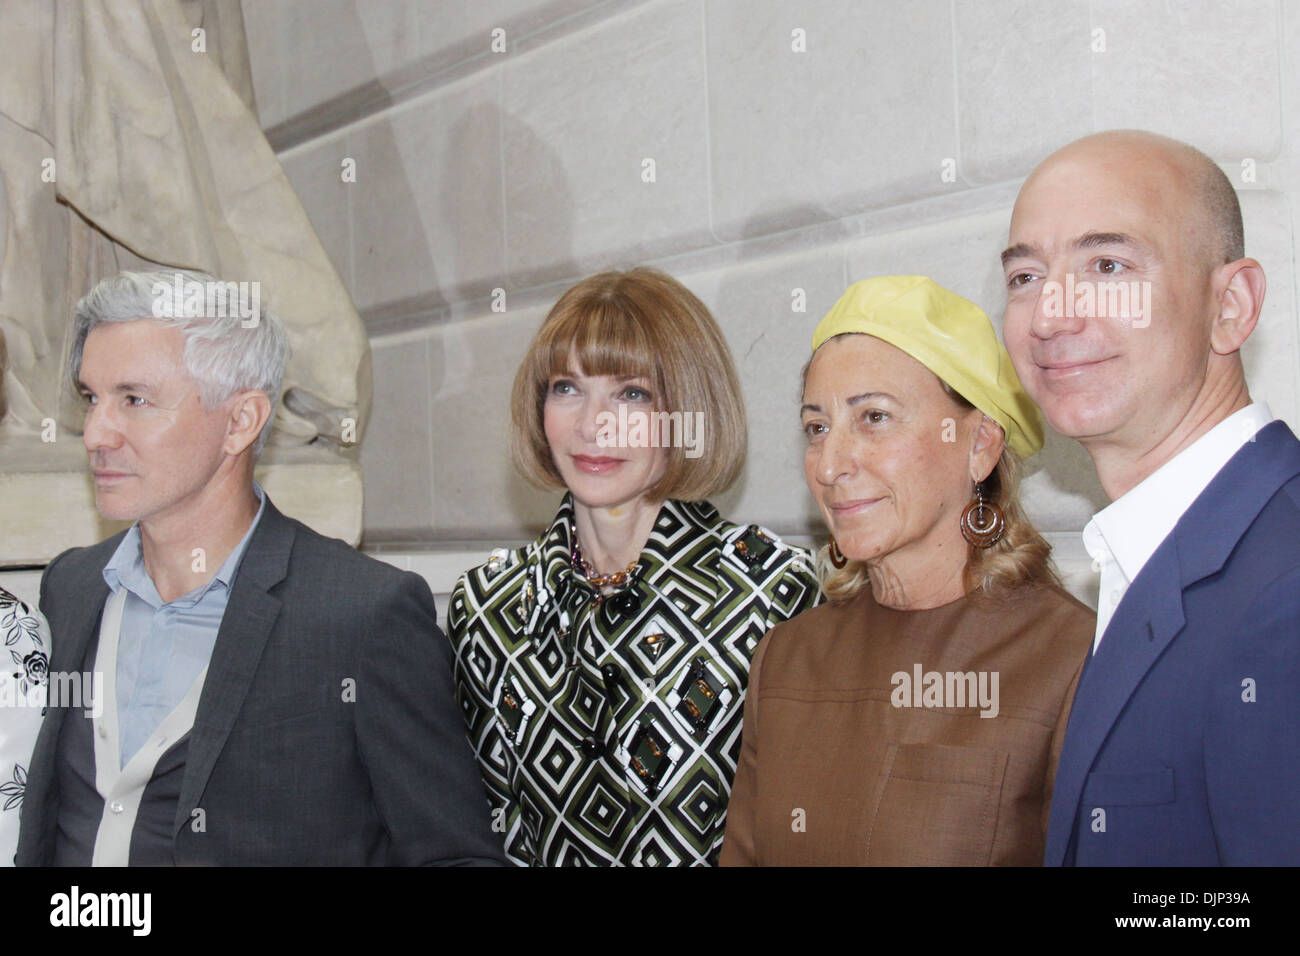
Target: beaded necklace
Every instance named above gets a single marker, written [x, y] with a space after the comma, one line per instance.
[598, 581]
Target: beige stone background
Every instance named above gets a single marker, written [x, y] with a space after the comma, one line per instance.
[128, 140]
[778, 174]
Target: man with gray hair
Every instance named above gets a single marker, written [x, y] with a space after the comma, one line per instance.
[271, 696]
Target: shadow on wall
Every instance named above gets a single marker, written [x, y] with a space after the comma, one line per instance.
[395, 257]
[481, 376]
[769, 345]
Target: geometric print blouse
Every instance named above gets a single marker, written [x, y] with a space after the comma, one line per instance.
[607, 730]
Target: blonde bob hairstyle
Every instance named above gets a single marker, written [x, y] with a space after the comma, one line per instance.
[1021, 557]
[636, 324]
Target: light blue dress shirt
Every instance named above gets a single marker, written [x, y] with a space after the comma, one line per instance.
[163, 646]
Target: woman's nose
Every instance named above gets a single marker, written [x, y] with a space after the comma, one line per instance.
[592, 419]
[837, 456]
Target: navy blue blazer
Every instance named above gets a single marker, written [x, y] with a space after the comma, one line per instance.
[1183, 747]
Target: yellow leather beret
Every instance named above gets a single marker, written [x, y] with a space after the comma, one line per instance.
[950, 336]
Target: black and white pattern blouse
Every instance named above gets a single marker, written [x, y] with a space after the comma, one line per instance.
[608, 730]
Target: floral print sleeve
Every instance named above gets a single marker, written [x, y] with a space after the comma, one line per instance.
[24, 684]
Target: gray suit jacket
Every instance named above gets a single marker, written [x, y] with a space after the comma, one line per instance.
[287, 770]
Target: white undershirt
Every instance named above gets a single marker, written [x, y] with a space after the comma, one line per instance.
[1122, 536]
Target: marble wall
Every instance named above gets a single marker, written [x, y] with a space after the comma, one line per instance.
[465, 162]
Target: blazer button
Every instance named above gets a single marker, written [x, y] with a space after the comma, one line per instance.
[592, 747]
[611, 673]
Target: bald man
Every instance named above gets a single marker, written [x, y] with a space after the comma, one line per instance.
[1128, 299]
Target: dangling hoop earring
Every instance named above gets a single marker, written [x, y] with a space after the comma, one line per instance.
[982, 522]
[837, 559]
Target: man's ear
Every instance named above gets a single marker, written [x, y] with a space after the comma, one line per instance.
[249, 412]
[1240, 287]
[987, 441]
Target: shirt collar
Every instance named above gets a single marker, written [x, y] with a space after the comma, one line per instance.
[1132, 526]
[556, 552]
[125, 569]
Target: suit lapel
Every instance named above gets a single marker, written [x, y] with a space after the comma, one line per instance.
[82, 624]
[1147, 619]
[250, 616]
[68, 655]
[1151, 612]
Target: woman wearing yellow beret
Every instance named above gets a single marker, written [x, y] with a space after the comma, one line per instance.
[917, 717]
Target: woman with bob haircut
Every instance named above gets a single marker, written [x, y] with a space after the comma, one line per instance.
[917, 718]
[602, 668]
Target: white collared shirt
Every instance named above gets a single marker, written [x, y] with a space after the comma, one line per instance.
[1122, 536]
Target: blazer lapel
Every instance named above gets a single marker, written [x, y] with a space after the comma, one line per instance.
[250, 617]
[1147, 619]
[67, 656]
[1151, 612]
[69, 651]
